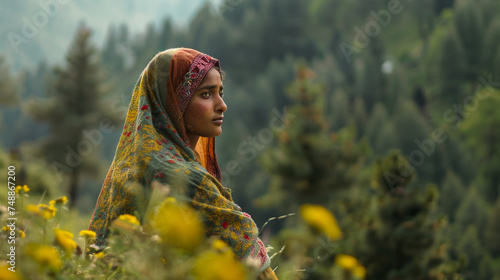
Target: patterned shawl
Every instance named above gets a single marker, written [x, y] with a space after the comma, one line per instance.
[154, 147]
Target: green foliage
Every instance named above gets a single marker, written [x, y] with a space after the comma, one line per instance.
[9, 87]
[308, 164]
[492, 234]
[452, 191]
[475, 253]
[482, 135]
[470, 27]
[73, 110]
[472, 212]
[452, 68]
[437, 50]
[400, 242]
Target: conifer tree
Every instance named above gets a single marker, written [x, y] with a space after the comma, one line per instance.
[340, 110]
[469, 26]
[401, 241]
[309, 165]
[472, 211]
[482, 135]
[452, 192]
[475, 253]
[492, 50]
[76, 113]
[9, 87]
[492, 234]
[452, 64]
[413, 136]
[111, 57]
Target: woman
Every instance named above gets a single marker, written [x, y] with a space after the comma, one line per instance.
[175, 114]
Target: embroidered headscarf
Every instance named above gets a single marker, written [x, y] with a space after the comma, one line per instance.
[154, 147]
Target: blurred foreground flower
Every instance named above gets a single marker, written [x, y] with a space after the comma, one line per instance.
[351, 264]
[88, 234]
[322, 220]
[42, 210]
[5, 274]
[23, 189]
[62, 200]
[45, 256]
[99, 255]
[65, 240]
[178, 225]
[127, 222]
[212, 265]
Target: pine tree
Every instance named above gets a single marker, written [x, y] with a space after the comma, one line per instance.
[492, 234]
[452, 192]
[9, 87]
[75, 112]
[469, 26]
[452, 64]
[340, 110]
[401, 241]
[475, 253]
[111, 56]
[482, 135]
[492, 49]
[308, 165]
[472, 211]
[412, 132]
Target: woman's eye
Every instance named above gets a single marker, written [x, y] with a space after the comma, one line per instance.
[205, 94]
[221, 94]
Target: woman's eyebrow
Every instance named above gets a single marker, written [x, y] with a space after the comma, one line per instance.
[209, 87]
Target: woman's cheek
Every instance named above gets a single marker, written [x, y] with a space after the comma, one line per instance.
[201, 109]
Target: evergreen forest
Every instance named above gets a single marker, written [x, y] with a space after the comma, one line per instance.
[384, 113]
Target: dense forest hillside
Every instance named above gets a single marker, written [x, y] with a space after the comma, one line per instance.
[385, 112]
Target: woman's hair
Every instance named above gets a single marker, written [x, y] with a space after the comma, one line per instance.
[222, 73]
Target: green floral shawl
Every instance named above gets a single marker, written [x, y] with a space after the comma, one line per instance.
[154, 147]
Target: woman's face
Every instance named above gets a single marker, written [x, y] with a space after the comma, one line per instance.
[204, 113]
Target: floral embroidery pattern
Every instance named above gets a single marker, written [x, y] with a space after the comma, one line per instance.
[192, 79]
[156, 152]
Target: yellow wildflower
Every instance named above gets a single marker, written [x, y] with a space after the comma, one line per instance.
[359, 271]
[219, 245]
[178, 225]
[47, 211]
[24, 188]
[211, 265]
[61, 200]
[6, 229]
[347, 262]
[22, 233]
[321, 219]
[126, 221]
[88, 234]
[33, 208]
[43, 210]
[65, 240]
[99, 255]
[6, 274]
[350, 263]
[130, 218]
[46, 256]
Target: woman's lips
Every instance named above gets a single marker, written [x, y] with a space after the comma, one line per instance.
[218, 121]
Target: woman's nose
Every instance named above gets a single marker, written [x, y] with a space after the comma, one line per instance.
[221, 105]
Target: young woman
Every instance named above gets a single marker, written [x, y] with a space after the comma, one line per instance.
[177, 110]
